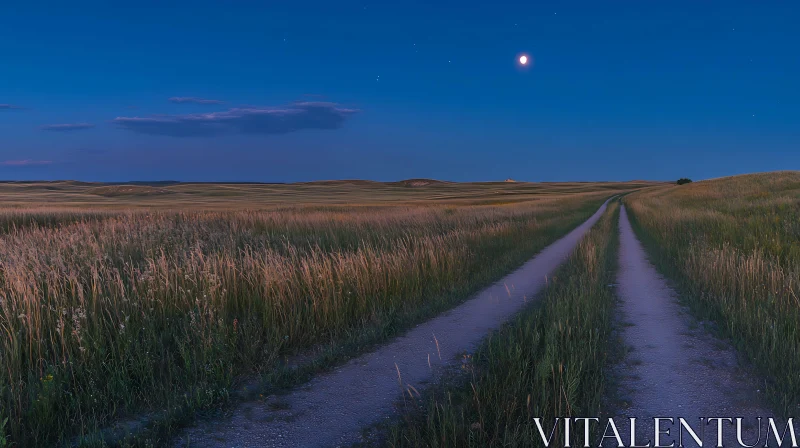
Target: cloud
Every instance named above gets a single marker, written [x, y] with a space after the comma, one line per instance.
[10, 106]
[26, 162]
[279, 120]
[184, 100]
[66, 127]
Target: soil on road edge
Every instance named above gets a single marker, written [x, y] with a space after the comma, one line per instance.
[333, 408]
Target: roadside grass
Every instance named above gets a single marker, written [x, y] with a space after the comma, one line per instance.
[732, 247]
[163, 312]
[548, 362]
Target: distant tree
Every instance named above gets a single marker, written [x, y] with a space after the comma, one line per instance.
[684, 180]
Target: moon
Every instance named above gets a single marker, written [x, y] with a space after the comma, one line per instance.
[523, 60]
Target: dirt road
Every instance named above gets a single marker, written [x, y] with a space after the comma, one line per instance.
[332, 409]
[676, 367]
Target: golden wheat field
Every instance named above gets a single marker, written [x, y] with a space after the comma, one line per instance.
[122, 301]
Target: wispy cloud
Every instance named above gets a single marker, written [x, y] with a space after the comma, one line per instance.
[67, 127]
[193, 100]
[10, 106]
[26, 162]
[275, 120]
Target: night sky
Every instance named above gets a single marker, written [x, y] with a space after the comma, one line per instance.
[279, 91]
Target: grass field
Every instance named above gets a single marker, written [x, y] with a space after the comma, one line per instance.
[548, 362]
[732, 245]
[118, 301]
[87, 196]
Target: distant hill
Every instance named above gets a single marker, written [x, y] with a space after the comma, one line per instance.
[414, 182]
[155, 183]
[51, 182]
[419, 182]
[342, 182]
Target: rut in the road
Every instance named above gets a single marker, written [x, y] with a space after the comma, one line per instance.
[333, 408]
[676, 367]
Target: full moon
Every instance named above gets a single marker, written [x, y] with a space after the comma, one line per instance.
[523, 60]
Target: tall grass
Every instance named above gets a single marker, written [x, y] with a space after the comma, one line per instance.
[161, 312]
[11, 219]
[549, 362]
[733, 247]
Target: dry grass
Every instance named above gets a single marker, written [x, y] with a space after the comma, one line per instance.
[127, 190]
[107, 312]
[733, 244]
[549, 362]
[200, 196]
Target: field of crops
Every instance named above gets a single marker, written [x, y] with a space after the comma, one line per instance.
[153, 304]
[111, 308]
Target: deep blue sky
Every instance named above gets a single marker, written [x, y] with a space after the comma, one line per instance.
[310, 90]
